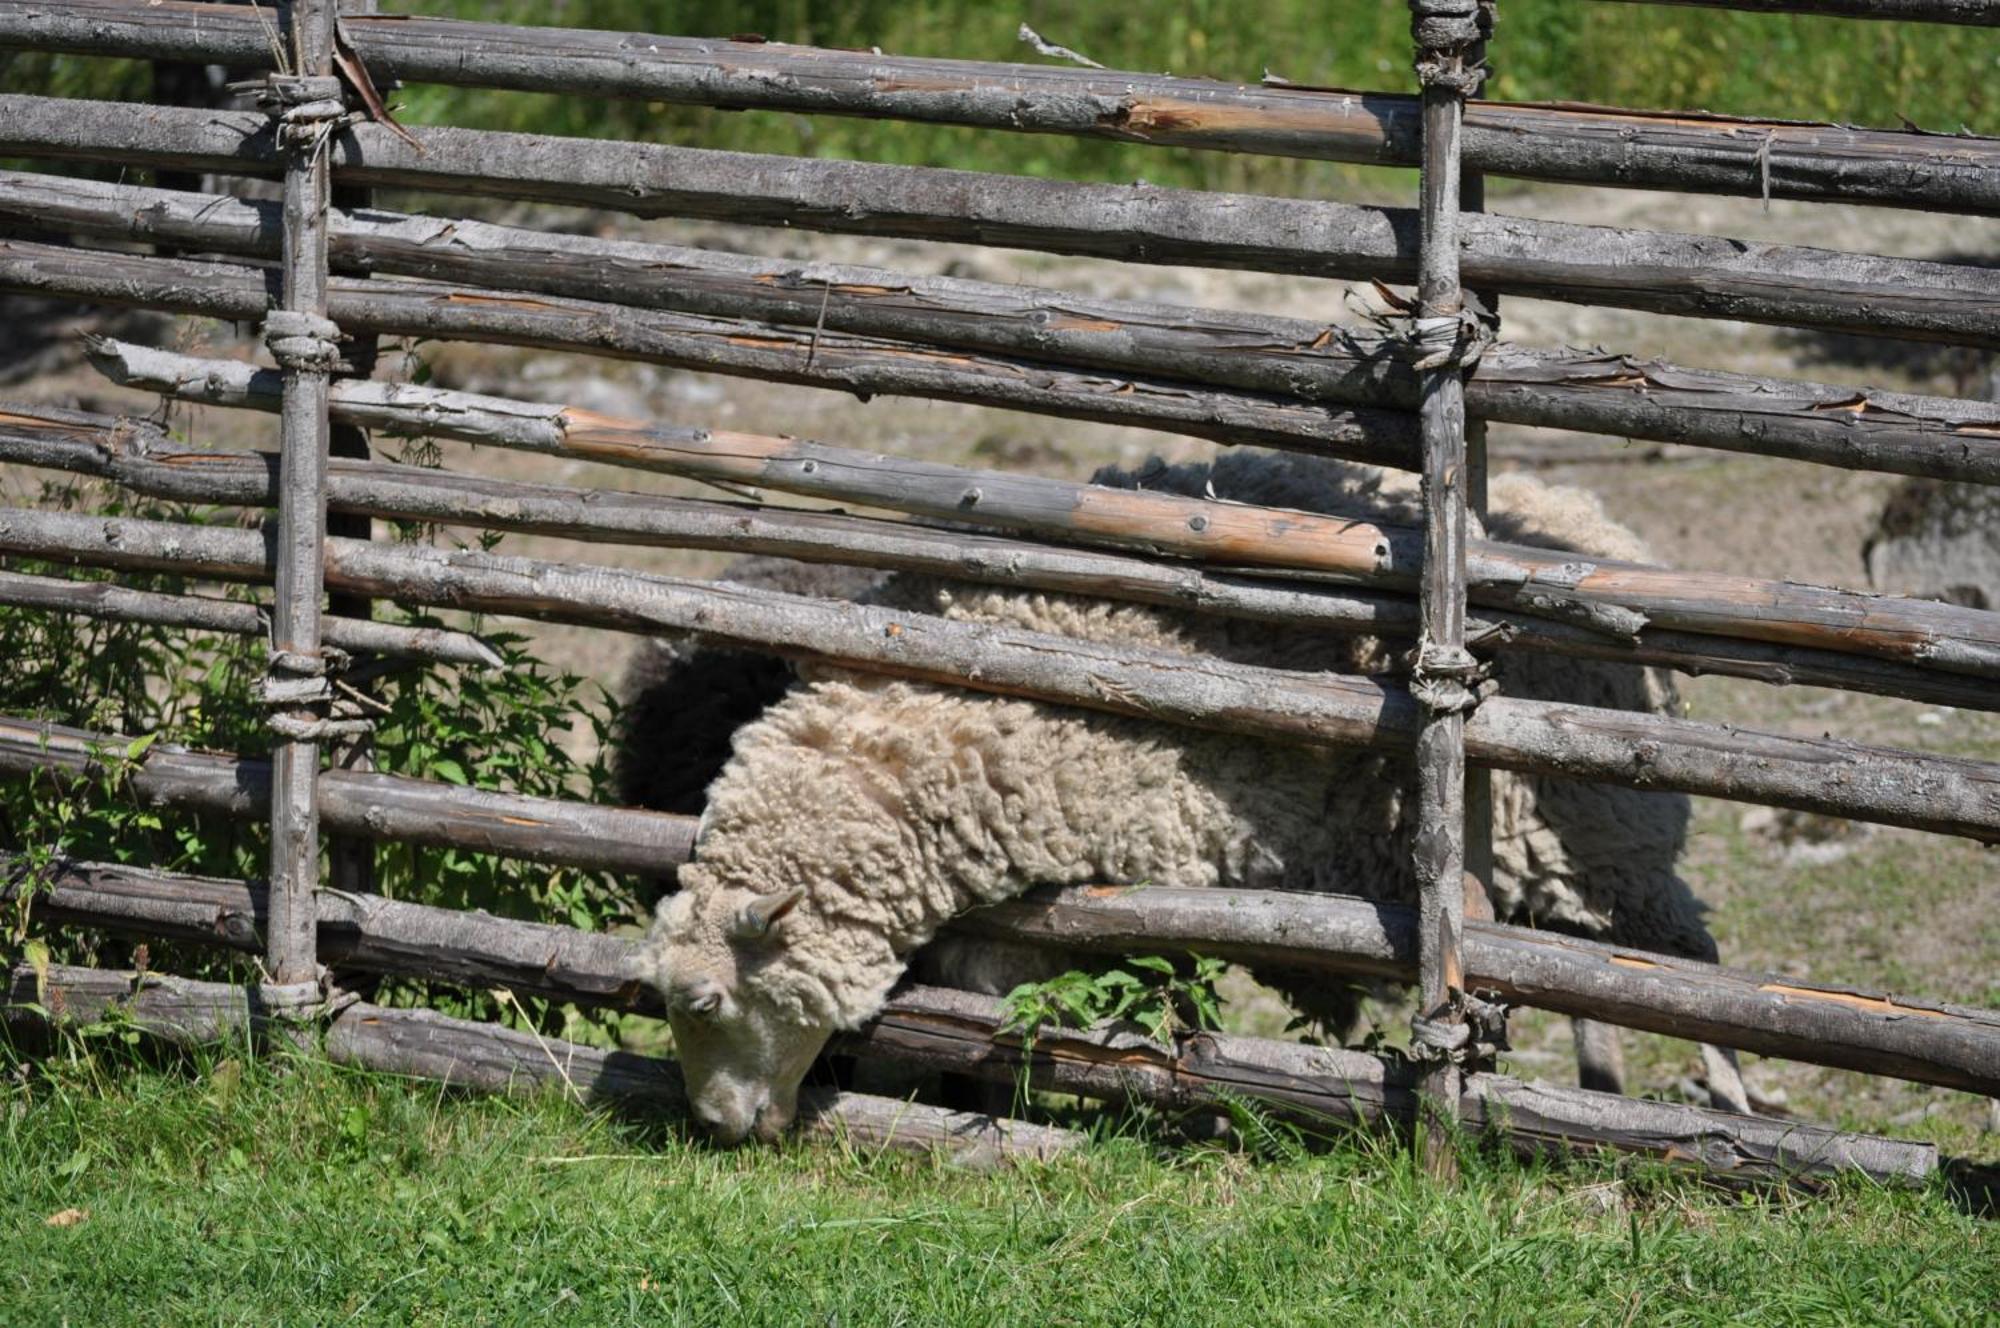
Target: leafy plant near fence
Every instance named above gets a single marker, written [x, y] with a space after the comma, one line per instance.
[502, 729]
[1161, 997]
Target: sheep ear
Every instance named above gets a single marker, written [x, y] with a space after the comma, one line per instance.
[759, 916]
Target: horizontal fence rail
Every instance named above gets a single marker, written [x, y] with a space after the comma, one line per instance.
[1322, 1088]
[364, 804]
[1691, 275]
[140, 459]
[102, 599]
[1689, 151]
[1979, 13]
[492, 1059]
[798, 354]
[1944, 794]
[1318, 1086]
[1323, 390]
[1616, 598]
[1334, 935]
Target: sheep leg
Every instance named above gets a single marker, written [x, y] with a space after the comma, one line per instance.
[1600, 1056]
[1726, 1090]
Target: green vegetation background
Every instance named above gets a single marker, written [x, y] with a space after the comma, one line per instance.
[1940, 78]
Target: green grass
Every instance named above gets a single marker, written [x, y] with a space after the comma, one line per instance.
[301, 1193]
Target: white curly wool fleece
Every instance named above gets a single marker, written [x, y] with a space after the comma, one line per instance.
[895, 805]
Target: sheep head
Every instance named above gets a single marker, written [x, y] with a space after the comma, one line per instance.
[747, 1019]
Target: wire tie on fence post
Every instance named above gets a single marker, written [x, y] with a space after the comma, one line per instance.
[1470, 1030]
[294, 682]
[1447, 680]
[290, 1002]
[306, 108]
[1443, 31]
[302, 342]
[1458, 340]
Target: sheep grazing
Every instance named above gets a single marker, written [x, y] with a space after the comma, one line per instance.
[858, 814]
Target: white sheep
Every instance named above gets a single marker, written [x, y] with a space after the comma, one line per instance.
[859, 814]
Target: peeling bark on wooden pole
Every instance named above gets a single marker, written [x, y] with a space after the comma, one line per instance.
[303, 344]
[102, 599]
[1950, 1046]
[143, 461]
[1682, 151]
[1946, 794]
[1616, 600]
[1446, 674]
[793, 353]
[1322, 390]
[1691, 275]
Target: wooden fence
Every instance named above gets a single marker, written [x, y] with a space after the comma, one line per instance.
[1237, 378]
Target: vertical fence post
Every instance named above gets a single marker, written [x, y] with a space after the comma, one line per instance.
[351, 860]
[1444, 340]
[306, 105]
[1478, 779]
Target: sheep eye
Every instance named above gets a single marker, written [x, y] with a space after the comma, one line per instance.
[707, 1003]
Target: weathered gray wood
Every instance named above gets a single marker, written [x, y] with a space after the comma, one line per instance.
[179, 1009]
[1616, 598]
[866, 366]
[367, 804]
[1906, 1037]
[102, 599]
[1691, 275]
[1976, 13]
[1688, 151]
[1945, 794]
[405, 493]
[1438, 850]
[139, 458]
[303, 433]
[1478, 779]
[1341, 937]
[955, 1030]
[1322, 1087]
[363, 932]
[493, 1059]
[1345, 395]
[350, 863]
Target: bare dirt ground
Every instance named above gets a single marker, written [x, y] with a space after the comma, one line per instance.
[1881, 908]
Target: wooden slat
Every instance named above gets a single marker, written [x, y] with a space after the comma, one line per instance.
[1689, 151]
[115, 603]
[1973, 13]
[368, 804]
[1335, 936]
[1323, 390]
[1946, 794]
[141, 459]
[1317, 1086]
[1698, 276]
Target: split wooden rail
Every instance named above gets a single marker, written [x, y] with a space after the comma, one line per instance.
[1402, 396]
